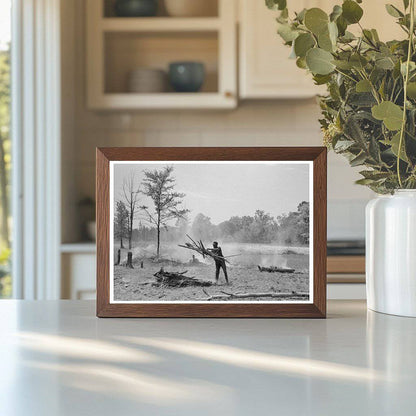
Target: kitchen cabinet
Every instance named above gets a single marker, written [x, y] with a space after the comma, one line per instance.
[265, 70]
[116, 46]
[78, 264]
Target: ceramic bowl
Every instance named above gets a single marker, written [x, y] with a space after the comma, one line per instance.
[136, 8]
[147, 80]
[186, 76]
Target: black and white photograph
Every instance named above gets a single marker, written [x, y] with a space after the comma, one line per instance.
[211, 232]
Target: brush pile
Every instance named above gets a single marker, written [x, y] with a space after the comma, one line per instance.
[172, 279]
[274, 269]
[199, 247]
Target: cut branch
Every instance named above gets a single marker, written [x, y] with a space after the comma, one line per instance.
[173, 279]
[274, 269]
[200, 248]
[229, 296]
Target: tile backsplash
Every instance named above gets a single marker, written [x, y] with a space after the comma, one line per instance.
[284, 123]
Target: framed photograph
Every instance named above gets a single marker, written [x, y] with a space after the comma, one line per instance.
[211, 232]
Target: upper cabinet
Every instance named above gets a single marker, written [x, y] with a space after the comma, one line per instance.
[264, 65]
[128, 58]
[265, 70]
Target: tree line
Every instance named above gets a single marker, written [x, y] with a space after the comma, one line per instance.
[261, 228]
[159, 186]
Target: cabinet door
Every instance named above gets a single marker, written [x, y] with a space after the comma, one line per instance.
[265, 68]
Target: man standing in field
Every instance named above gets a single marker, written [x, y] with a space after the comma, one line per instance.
[219, 262]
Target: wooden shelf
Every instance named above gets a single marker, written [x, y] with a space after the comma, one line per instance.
[81, 247]
[346, 264]
[116, 46]
[159, 24]
[128, 101]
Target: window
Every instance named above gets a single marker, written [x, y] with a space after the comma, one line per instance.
[5, 147]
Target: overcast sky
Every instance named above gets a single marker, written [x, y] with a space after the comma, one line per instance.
[221, 191]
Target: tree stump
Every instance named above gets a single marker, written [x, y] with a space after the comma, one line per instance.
[118, 257]
[130, 260]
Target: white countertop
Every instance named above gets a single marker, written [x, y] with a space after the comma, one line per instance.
[57, 359]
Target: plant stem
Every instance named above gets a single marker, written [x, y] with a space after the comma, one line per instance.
[345, 75]
[373, 89]
[406, 80]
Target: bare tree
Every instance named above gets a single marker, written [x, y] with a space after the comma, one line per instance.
[159, 186]
[131, 198]
[121, 222]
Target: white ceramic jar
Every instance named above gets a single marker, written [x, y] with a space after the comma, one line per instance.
[391, 253]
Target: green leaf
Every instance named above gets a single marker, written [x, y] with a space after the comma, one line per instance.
[325, 43]
[342, 25]
[321, 79]
[381, 89]
[343, 145]
[286, 32]
[284, 14]
[391, 114]
[374, 175]
[393, 11]
[411, 90]
[300, 17]
[319, 61]
[412, 67]
[358, 61]
[394, 145]
[385, 63]
[354, 131]
[363, 86]
[303, 43]
[316, 20]
[358, 160]
[292, 52]
[361, 99]
[364, 181]
[368, 36]
[336, 12]
[343, 65]
[374, 150]
[333, 32]
[351, 11]
[301, 63]
[375, 35]
[347, 37]
[276, 4]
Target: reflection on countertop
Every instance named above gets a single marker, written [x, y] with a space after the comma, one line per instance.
[63, 360]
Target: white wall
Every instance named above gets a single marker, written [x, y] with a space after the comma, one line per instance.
[256, 123]
[266, 123]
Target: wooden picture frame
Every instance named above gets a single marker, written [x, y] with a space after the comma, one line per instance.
[316, 308]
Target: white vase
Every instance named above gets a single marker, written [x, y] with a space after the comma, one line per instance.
[391, 253]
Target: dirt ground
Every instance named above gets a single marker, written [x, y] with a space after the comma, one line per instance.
[243, 279]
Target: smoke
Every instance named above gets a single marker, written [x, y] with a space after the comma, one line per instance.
[238, 254]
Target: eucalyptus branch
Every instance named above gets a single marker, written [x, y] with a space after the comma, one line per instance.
[351, 120]
[346, 75]
[406, 80]
[373, 89]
